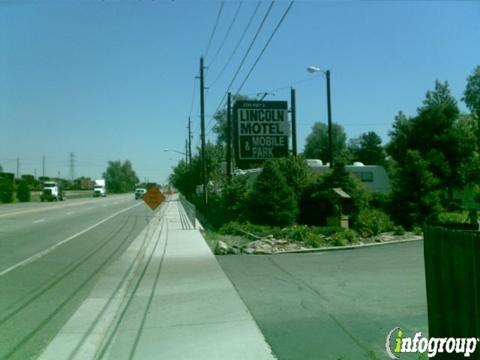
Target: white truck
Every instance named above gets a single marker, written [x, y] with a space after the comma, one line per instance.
[51, 191]
[99, 188]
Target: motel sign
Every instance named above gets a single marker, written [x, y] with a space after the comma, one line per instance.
[261, 130]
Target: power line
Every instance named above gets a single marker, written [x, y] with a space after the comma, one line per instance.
[245, 56]
[193, 96]
[266, 45]
[286, 86]
[227, 33]
[237, 45]
[214, 27]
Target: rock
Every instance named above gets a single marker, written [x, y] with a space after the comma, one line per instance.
[281, 242]
[234, 250]
[269, 241]
[221, 248]
[248, 250]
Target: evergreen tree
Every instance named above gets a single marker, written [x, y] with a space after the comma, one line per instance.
[272, 202]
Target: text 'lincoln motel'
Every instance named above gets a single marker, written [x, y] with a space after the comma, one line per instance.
[262, 129]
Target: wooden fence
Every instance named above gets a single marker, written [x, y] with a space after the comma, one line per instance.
[452, 270]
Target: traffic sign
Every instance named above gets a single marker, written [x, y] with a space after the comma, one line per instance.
[261, 129]
[153, 197]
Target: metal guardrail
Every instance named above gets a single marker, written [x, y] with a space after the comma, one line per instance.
[189, 210]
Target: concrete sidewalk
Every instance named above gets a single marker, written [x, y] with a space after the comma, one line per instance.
[165, 298]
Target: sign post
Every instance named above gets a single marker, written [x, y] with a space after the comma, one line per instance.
[261, 130]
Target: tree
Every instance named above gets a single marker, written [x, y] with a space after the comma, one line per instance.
[438, 134]
[186, 177]
[472, 92]
[316, 146]
[415, 194]
[6, 187]
[120, 177]
[23, 191]
[234, 200]
[368, 149]
[1, 169]
[272, 202]
[315, 204]
[296, 172]
[220, 127]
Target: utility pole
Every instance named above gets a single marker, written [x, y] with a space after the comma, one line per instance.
[43, 166]
[202, 136]
[229, 138]
[18, 168]
[189, 141]
[294, 121]
[186, 151]
[72, 166]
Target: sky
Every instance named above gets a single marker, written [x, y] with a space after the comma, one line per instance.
[116, 80]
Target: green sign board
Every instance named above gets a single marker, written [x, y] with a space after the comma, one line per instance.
[261, 130]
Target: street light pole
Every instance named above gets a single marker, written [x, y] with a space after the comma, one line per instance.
[313, 69]
[329, 108]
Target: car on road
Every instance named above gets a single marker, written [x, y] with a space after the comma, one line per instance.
[139, 192]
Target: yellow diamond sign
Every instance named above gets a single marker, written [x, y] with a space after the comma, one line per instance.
[153, 197]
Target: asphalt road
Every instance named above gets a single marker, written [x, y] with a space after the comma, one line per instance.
[51, 255]
[333, 305]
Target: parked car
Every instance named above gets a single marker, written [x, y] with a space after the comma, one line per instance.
[139, 192]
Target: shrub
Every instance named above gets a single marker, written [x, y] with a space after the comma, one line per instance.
[297, 232]
[379, 201]
[343, 238]
[6, 188]
[23, 191]
[234, 199]
[272, 201]
[315, 204]
[451, 217]
[398, 230]
[417, 230]
[373, 222]
[313, 240]
[236, 228]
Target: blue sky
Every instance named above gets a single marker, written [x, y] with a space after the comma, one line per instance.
[113, 80]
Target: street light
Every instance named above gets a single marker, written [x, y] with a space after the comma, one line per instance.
[314, 69]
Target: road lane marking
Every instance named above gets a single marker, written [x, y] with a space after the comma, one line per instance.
[44, 208]
[53, 247]
[70, 213]
[38, 221]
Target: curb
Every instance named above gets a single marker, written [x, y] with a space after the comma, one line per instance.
[339, 248]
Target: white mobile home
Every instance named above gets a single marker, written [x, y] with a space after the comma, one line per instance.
[374, 177]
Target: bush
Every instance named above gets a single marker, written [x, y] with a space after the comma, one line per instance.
[417, 230]
[272, 201]
[23, 191]
[315, 204]
[236, 228]
[234, 199]
[379, 201]
[398, 230]
[313, 240]
[343, 238]
[451, 217]
[6, 188]
[373, 222]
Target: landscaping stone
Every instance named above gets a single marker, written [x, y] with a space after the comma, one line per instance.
[221, 248]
